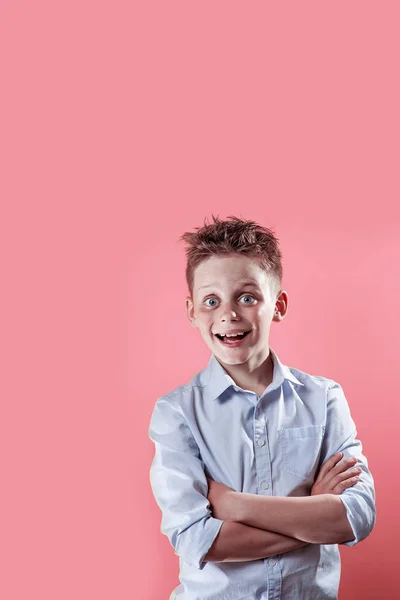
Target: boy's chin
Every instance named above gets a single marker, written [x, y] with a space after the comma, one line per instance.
[231, 360]
[231, 356]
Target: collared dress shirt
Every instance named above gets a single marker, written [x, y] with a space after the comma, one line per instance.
[272, 445]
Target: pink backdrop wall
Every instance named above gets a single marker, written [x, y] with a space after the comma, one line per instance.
[123, 125]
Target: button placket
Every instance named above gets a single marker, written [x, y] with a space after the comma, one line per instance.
[264, 482]
[262, 454]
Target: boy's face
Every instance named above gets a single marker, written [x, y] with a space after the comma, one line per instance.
[233, 292]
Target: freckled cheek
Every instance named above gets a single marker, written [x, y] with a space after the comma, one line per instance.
[264, 316]
[261, 320]
[206, 325]
[209, 326]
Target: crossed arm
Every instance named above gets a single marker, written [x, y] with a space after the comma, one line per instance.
[237, 542]
[258, 526]
[241, 530]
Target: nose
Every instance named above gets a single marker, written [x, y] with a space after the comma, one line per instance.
[228, 313]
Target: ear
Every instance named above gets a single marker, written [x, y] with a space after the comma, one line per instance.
[190, 311]
[281, 306]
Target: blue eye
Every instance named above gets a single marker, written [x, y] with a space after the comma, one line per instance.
[246, 296]
[209, 299]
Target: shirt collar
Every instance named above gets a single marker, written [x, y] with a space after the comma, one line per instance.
[216, 380]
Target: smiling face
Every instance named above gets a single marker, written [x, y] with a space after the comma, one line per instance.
[233, 293]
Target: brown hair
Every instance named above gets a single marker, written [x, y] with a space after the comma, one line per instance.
[229, 237]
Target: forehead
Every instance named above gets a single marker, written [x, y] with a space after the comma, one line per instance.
[227, 271]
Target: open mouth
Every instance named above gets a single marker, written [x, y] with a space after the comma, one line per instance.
[232, 338]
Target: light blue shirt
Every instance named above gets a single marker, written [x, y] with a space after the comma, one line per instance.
[273, 445]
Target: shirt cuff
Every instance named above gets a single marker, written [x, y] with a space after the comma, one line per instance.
[194, 543]
[356, 518]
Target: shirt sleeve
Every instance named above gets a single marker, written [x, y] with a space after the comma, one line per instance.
[341, 436]
[179, 484]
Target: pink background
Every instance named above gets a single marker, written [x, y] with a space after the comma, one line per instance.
[124, 124]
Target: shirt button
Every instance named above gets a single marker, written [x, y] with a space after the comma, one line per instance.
[265, 485]
[261, 442]
[272, 562]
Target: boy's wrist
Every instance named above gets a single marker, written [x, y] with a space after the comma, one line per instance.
[232, 508]
[239, 505]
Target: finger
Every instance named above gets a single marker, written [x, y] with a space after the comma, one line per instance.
[346, 463]
[348, 474]
[341, 467]
[330, 463]
[343, 485]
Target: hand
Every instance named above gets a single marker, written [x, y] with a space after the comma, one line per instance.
[222, 500]
[334, 477]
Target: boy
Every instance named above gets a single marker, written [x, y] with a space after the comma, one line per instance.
[247, 469]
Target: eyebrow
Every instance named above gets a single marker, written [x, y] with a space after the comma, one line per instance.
[240, 283]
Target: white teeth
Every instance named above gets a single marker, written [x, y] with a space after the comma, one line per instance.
[232, 334]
